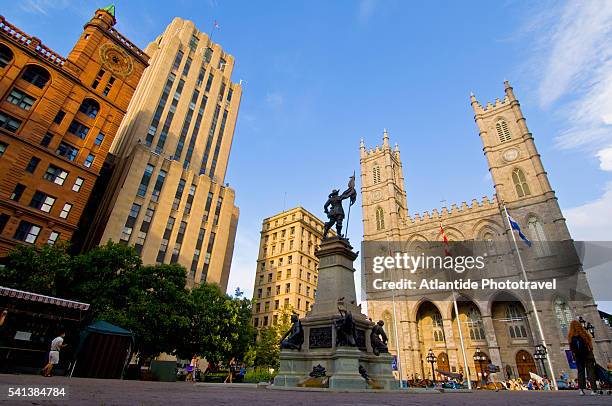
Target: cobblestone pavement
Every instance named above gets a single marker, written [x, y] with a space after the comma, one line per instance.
[115, 392]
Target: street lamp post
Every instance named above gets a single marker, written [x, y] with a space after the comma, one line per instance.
[431, 358]
[480, 357]
[540, 354]
[587, 326]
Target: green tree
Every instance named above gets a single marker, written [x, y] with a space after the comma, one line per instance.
[267, 348]
[43, 269]
[219, 326]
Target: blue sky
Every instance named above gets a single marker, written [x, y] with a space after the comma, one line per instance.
[321, 74]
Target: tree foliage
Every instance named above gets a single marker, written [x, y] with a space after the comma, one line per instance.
[267, 349]
[151, 300]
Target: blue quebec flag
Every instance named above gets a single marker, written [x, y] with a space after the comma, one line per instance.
[516, 227]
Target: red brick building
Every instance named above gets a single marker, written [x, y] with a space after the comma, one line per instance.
[58, 119]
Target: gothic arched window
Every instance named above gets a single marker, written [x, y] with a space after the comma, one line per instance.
[520, 183]
[516, 321]
[380, 219]
[502, 131]
[376, 173]
[474, 322]
[564, 315]
[387, 317]
[438, 327]
[536, 232]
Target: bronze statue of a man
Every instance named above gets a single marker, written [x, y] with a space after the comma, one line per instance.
[378, 338]
[336, 213]
[294, 338]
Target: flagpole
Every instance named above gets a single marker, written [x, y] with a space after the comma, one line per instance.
[465, 363]
[397, 347]
[552, 378]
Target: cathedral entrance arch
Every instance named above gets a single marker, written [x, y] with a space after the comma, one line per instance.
[443, 364]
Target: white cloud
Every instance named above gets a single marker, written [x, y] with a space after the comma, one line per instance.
[366, 10]
[592, 221]
[575, 49]
[43, 6]
[274, 99]
[605, 159]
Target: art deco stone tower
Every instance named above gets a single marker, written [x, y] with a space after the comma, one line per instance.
[58, 119]
[166, 195]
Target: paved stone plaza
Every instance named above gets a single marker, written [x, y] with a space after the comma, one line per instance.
[115, 392]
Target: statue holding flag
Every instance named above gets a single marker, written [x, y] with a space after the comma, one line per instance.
[334, 210]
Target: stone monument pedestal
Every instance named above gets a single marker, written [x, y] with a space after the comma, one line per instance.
[336, 289]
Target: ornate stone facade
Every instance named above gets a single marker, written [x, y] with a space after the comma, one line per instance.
[503, 324]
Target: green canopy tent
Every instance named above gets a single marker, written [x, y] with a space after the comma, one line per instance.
[103, 352]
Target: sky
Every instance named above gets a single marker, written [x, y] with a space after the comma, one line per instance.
[320, 75]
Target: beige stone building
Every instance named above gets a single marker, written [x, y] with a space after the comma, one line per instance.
[166, 195]
[286, 275]
[502, 325]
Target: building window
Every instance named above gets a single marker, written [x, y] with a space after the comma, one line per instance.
[438, 327]
[90, 108]
[78, 129]
[515, 318]
[109, 86]
[46, 140]
[193, 42]
[55, 175]
[27, 232]
[89, 160]
[208, 54]
[3, 147]
[34, 161]
[502, 131]
[222, 63]
[288, 288]
[42, 202]
[99, 139]
[474, 322]
[177, 60]
[144, 182]
[6, 56]
[98, 78]
[4, 218]
[9, 123]
[67, 151]
[178, 195]
[536, 232]
[159, 183]
[187, 67]
[376, 174]
[53, 237]
[380, 219]
[65, 210]
[520, 183]
[59, 117]
[200, 77]
[564, 315]
[36, 76]
[230, 93]
[190, 196]
[21, 99]
[209, 82]
[78, 183]
[17, 192]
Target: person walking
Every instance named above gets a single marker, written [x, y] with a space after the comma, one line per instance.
[232, 370]
[581, 344]
[56, 345]
[191, 369]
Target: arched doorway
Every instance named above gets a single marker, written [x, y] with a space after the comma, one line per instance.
[443, 364]
[525, 364]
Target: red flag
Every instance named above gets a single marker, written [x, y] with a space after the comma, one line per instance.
[445, 239]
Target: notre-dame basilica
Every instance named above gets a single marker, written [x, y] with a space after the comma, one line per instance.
[502, 325]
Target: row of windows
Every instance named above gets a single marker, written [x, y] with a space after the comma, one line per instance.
[295, 216]
[308, 263]
[279, 276]
[28, 232]
[40, 201]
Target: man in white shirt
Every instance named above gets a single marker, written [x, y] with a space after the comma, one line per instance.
[56, 345]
